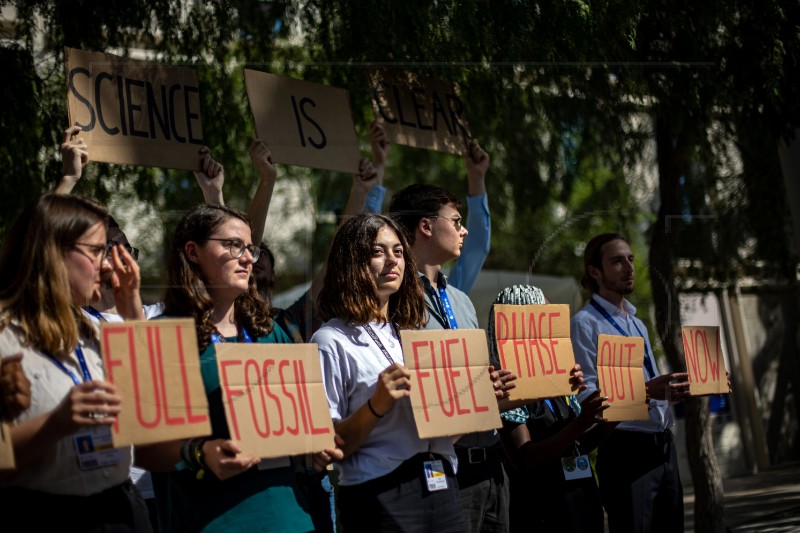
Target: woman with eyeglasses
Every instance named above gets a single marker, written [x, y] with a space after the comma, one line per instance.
[371, 291]
[209, 484]
[66, 474]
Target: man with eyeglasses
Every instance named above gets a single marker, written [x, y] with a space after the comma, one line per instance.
[430, 218]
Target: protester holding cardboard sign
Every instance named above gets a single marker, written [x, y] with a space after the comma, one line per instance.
[547, 441]
[390, 478]
[209, 268]
[50, 267]
[637, 466]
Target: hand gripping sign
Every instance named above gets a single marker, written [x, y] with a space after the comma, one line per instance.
[420, 111]
[451, 392]
[135, 112]
[620, 377]
[533, 342]
[156, 369]
[704, 361]
[303, 123]
[274, 398]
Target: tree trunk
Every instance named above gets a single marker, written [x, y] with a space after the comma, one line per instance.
[673, 162]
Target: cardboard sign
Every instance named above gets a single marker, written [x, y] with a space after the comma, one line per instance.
[274, 398]
[704, 361]
[620, 376]
[303, 123]
[419, 111]
[533, 342]
[451, 392]
[6, 448]
[156, 369]
[135, 112]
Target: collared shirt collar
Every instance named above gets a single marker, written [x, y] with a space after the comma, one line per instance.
[440, 281]
[613, 309]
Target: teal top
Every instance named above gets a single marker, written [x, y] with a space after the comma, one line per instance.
[255, 500]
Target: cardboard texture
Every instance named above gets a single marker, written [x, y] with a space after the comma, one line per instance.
[135, 112]
[533, 342]
[420, 111]
[451, 392]
[704, 361]
[156, 369]
[274, 398]
[303, 123]
[6, 448]
[620, 376]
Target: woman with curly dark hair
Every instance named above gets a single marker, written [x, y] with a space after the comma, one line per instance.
[217, 487]
[371, 290]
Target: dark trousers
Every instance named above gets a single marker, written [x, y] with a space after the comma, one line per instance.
[484, 492]
[639, 482]
[120, 509]
[400, 502]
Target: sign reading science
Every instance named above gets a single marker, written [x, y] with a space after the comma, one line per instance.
[135, 112]
[419, 111]
[303, 123]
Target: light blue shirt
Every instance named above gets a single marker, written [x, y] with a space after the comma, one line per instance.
[585, 327]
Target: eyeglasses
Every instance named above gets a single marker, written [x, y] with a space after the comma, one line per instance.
[130, 249]
[236, 248]
[96, 251]
[456, 220]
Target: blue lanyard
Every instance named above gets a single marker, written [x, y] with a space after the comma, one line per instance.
[216, 339]
[94, 312]
[622, 332]
[448, 309]
[81, 361]
[571, 405]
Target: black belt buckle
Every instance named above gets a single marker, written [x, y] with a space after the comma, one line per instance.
[480, 453]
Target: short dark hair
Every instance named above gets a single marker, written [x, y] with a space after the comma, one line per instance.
[349, 292]
[416, 202]
[593, 256]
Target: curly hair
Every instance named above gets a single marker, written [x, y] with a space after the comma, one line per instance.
[186, 293]
[34, 284]
[349, 292]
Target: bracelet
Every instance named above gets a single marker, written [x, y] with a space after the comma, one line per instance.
[369, 404]
[199, 458]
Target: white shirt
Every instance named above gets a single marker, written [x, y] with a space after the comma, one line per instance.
[57, 471]
[585, 326]
[351, 362]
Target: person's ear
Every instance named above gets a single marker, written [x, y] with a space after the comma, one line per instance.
[594, 273]
[425, 226]
[191, 251]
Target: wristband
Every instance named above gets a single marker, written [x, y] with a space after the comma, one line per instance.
[369, 404]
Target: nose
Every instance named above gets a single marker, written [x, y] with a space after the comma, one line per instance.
[464, 231]
[106, 264]
[247, 257]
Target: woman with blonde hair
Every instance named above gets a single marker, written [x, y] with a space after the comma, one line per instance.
[67, 475]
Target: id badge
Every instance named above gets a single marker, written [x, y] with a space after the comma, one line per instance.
[435, 476]
[95, 449]
[576, 467]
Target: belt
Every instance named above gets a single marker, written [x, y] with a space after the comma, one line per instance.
[478, 455]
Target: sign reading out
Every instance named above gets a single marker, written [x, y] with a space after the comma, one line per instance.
[303, 123]
[135, 112]
[451, 392]
[620, 377]
[533, 342]
[419, 111]
[156, 369]
[274, 398]
[6, 447]
[704, 361]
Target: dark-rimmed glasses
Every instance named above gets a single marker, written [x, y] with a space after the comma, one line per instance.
[130, 249]
[236, 247]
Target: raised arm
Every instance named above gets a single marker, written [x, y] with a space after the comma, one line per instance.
[262, 159]
[380, 153]
[476, 245]
[210, 177]
[74, 158]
